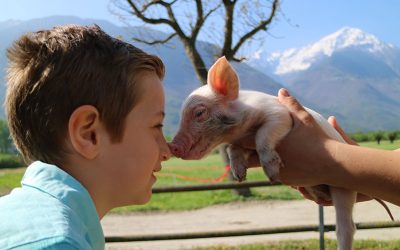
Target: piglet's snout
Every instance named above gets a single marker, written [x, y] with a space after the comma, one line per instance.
[181, 145]
[176, 149]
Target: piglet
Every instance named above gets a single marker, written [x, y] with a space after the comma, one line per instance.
[218, 113]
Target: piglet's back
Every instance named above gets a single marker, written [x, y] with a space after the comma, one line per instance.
[260, 102]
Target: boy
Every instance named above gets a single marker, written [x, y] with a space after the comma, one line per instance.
[87, 111]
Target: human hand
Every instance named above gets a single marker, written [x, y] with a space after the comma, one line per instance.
[323, 202]
[307, 152]
[360, 197]
[332, 120]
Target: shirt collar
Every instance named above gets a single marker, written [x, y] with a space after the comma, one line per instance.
[59, 184]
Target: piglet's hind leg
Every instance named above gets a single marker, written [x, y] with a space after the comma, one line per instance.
[343, 200]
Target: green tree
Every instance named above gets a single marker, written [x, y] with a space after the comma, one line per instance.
[378, 136]
[6, 144]
[392, 136]
[359, 137]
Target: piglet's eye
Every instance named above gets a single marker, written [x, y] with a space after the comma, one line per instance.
[199, 113]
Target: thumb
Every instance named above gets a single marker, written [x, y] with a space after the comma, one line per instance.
[295, 108]
[332, 120]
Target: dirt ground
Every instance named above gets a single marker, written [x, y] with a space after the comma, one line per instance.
[241, 215]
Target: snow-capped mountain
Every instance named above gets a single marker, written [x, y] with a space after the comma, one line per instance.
[299, 59]
[350, 74]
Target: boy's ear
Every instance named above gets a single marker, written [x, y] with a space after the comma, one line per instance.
[84, 131]
[223, 79]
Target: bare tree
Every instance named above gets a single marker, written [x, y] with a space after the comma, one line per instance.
[240, 22]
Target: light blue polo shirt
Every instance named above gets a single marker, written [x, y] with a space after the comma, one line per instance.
[51, 210]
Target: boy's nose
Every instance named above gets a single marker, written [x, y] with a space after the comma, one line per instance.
[166, 153]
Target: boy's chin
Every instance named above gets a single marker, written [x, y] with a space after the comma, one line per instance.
[143, 199]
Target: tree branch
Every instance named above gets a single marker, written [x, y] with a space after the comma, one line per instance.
[146, 6]
[228, 30]
[241, 59]
[140, 14]
[155, 41]
[212, 10]
[261, 26]
[200, 18]
[157, 2]
[172, 22]
[199, 21]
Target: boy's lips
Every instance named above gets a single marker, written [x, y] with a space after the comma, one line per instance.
[158, 169]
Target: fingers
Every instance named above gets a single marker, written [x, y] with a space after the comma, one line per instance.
[305, 193]
[319, 201]
[332, 120]
[289, 101]
[362, 197]
[295, 108]
[323, 202]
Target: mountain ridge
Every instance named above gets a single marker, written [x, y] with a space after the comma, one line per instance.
[358, 85]
[180, 78]
[349, 73]
[295, 60]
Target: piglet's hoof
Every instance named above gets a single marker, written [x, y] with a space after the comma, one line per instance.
[240, 177]
[275, 179]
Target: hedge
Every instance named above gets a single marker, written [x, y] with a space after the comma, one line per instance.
[11, 161]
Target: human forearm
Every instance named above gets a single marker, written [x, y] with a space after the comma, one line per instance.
[370, 171]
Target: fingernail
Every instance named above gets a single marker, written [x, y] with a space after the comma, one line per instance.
[284, 92]
[332, 120]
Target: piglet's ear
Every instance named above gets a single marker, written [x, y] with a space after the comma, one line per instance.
[223, 79]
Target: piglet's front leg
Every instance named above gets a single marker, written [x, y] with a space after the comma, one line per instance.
[267, 138]
[238, 157]
[270, 162]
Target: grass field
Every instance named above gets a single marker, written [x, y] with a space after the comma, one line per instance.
[9, 179]
[209, 168]
[384, 145]
[311, 245]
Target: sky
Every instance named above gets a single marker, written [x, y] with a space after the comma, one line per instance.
[299, 23]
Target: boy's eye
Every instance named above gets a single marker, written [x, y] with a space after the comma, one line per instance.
[159, 125]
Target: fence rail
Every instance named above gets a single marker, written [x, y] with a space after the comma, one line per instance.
[321, 228]
[259, 231]
[207, 187]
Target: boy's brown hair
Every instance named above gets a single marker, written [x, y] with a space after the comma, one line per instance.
[52, 72]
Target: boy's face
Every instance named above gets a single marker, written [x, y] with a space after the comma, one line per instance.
[132, 162]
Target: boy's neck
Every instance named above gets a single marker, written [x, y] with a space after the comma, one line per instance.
[87, 175]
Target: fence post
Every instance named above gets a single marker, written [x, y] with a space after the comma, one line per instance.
[321, 228]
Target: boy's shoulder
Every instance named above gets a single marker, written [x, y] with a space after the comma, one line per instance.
[47, 212]
[29, 217]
